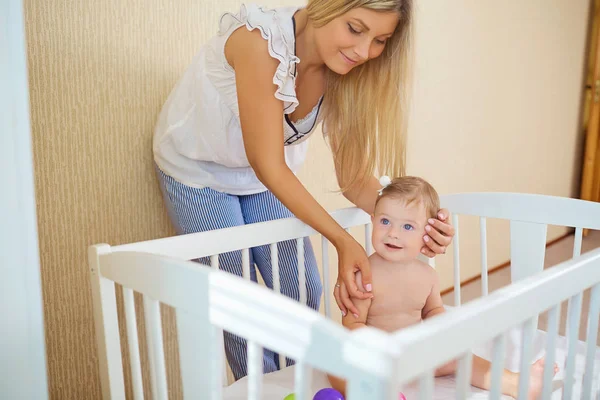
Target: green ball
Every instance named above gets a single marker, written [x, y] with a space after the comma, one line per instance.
[290, 396]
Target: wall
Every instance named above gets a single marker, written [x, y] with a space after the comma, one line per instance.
[495, 108]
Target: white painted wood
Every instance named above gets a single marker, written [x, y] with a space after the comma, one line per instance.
[326, 278]
[527, 249]
[240, 307]
[223, 380]
[533, 208]
[498, 356]
[275, 267]
[484, 257]
[463, 376]
[158, 375]
[591, 337]
[255, 365]
[219, 364]
[456, 258]
[573, 318]
[198, 345]
[551, 335]
[301, 271]
[22, 347]
[246, 263]
[204, 244]
[106, 323]
[529, 328]
[276, 285]
[369, 239]
[577, 242]
[133, 344]
[426, 384]
[484, 318]
[302, 381]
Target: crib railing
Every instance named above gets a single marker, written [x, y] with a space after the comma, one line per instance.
[426, 347]
[529, 216]
[376, 364]
[212, 244]
[207, 302]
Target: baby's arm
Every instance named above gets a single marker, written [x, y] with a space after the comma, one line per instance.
[434, 304]
[352, 322]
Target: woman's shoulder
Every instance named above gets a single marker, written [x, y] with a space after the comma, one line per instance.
[269, 36]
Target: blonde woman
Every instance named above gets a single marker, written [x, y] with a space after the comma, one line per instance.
[233, 133]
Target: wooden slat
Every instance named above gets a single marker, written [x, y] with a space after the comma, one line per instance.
[158, 375]
[133, 344]
[551, 335]
[484, 261]
[577, 242]
[529, 328]
[463, 376]
[106, 322]
[499, 353]
[246, 264]
[591, 337]
[456, 257]
[302, 380]
[426, 384]
[326, 278]
[301, 271]
[573, 318]
[255, 369]
[369, 239]
[527, 249]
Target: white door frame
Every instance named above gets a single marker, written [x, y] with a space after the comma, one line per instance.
[22, 345]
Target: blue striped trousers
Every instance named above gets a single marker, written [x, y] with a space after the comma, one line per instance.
[197, 210]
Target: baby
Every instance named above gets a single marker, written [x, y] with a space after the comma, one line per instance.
[406, 290]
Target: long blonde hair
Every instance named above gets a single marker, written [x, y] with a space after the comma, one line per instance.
[365, 111]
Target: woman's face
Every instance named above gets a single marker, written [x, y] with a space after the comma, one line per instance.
[354, 38]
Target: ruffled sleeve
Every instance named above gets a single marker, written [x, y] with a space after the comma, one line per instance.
[274, 27]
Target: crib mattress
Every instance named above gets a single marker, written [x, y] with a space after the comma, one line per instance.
[279, 384]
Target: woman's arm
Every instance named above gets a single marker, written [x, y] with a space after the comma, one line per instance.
[261, 116]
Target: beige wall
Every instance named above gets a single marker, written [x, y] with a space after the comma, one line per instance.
[495, 108]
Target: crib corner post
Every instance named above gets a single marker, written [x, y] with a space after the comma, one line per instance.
[106, 322]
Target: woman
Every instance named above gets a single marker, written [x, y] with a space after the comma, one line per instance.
[233, 132]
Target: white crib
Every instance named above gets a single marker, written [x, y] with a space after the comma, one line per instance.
[377, 365]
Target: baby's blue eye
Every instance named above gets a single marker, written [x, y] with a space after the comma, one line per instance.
[385, 221]
[408, 227]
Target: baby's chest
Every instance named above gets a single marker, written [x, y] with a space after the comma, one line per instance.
[400, 294]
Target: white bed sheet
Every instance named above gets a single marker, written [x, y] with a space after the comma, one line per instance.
[279, 384]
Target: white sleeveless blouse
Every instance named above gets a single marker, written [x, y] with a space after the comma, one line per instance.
[198, 138]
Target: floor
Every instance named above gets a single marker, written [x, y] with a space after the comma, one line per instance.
[556, 253]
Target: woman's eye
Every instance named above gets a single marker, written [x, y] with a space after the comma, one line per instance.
[381, 42]
[408, 227]
[354, 31]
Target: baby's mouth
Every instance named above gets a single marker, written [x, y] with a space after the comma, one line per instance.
[392, 246]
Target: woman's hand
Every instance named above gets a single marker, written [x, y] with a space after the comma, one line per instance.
[438, 235]
[351, 258]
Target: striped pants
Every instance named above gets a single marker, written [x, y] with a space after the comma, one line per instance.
[197, 210]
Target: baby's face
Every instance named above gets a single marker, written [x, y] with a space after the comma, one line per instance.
[398, 229]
